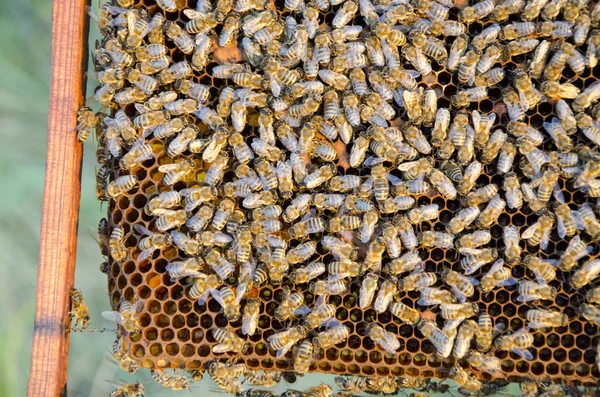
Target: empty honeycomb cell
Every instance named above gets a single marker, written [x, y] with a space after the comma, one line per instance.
[412, 345]
[326, 367]
[332, 354]
[367, 370]
[161, 293]
[170, 308]
[161, 321]
[552, 368]
[552, 340]
[539, 339]
[361, 356]
[509, 366]
[123, 202]
[582, 341]
[191, 320]
[172, 349]
[153, 307]
[128, 294]
[545, 354]
[167, 334]
[136, 279]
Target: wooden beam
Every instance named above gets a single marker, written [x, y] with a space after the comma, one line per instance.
[58, 237]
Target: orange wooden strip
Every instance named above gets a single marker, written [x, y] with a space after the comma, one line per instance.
[58, 239]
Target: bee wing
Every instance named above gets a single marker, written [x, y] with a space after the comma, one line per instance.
[142, 230]
[137, 307]
[131, 20]
[217, 295]
[281, 352]
[453, 324]
[330, 323]
[526, 354]
[141, 108]
[144, 254]
[192, 14]
[202, 298]
[557, 193]
[168, 167]
[427, 302]
[338, 276]
[545, 240]
[275, 86]
[240, 292]
[509, 282]
[186, 192]
[407, 166]
[472, 280]
[469, 251]
[113, 316]
[459, 294]
[529, 232]
[576, 216]
[526, 298]
[536, 325]
[220, 348]
[302, 310]
[523, 101]
[562, 230]
[412, 73]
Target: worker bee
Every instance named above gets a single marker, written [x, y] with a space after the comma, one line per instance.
[590, 313]
[517, 342]
[434, 296]
[121, 185]
[417, 281]
[127, 316]
[309, 272]
[78, 310]
[331, 336]
[429, 239]
[465, 380]
[462, 286]
[116, 244]
[532, 291]
[284, 340]
[304, 356]
[153, 241]
[438, 338]
[442, 183]
[477, 11]
[476, 259]
[539, 318]
[290, 305]
[490, 214]
[576, 250]
[174, 172]
[383, 338]
[465, 334]
[227, 341]
[467, 242]
[588, 272]
[485, 363]
[497, 276]
[128, 390]
[539, 232]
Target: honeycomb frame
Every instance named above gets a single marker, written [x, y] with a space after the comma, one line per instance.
[175, 330]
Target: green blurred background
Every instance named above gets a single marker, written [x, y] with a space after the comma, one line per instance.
[25, 45]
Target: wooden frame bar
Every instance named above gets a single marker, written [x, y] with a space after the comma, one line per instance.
[58, 237]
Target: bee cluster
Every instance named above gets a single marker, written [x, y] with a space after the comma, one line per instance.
[378, 188]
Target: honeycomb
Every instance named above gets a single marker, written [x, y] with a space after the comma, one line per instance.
[175, 329]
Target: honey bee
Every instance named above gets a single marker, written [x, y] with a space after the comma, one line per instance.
[485, 363]
[383, 338]
[576, 250]
[477, 11]
[304, 356]
[321, 287]
[517, 342]
[590, 313]
[539, 232]
[462, 286]
[539, 318]
[127, 316]
[284, 340]
[435, 296]
[465, 334]
[128, 390]
[355, 384]
[416, 281]
[291, 305]
[121, 185]
[532, 291]
[440, 340]
[431, 239]
[331, 336]
[404, 313]
[318, 177]
[227, 341]
[497, 276]
[79, 310]
[442, 183]
[486, 331]
[465, 380]
[588, 272]
[307, 273]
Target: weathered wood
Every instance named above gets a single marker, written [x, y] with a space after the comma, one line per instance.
[58, 238]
